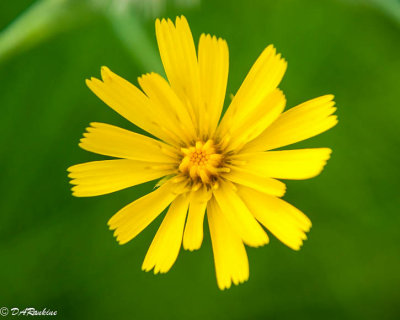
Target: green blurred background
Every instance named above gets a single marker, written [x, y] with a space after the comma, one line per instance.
[56, 251]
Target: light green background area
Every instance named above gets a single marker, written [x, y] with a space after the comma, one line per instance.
[57, 252]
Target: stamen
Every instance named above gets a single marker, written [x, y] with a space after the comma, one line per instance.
[185, 151]
[201, 163]
[196, 187]
[208, 144]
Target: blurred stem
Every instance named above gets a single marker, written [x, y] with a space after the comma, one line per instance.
[131, 31]
[390, 7]
[40, 21]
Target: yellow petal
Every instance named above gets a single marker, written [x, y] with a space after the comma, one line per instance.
[178, 55]
[101, 177]
[193, 235]
[256, 121]
[264, 76]
[230, 257]
[213, 59]
[168, 107]
[299, 123]
[285, 222]
[251, 179]
[286, 164]
[165, 246]
[113, 141]
[126, 99]
[133, 218]
[239, 216]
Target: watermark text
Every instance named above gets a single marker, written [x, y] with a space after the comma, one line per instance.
[4, 311]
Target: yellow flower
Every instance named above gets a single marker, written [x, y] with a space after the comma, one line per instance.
[220, 167]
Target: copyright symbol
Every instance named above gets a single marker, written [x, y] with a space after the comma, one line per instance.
[4, 311]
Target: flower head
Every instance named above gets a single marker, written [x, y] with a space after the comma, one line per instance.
[222, 168]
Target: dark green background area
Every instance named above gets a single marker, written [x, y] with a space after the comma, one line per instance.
[57, 252]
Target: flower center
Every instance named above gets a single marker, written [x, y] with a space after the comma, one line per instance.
[202, 163]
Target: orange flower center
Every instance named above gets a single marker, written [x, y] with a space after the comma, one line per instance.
[202, 163]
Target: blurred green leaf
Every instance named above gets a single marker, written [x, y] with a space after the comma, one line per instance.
[129, 27]
[47, 18]
[390, 7]
[39, 22]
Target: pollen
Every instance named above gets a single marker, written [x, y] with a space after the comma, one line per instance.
[202, 163]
